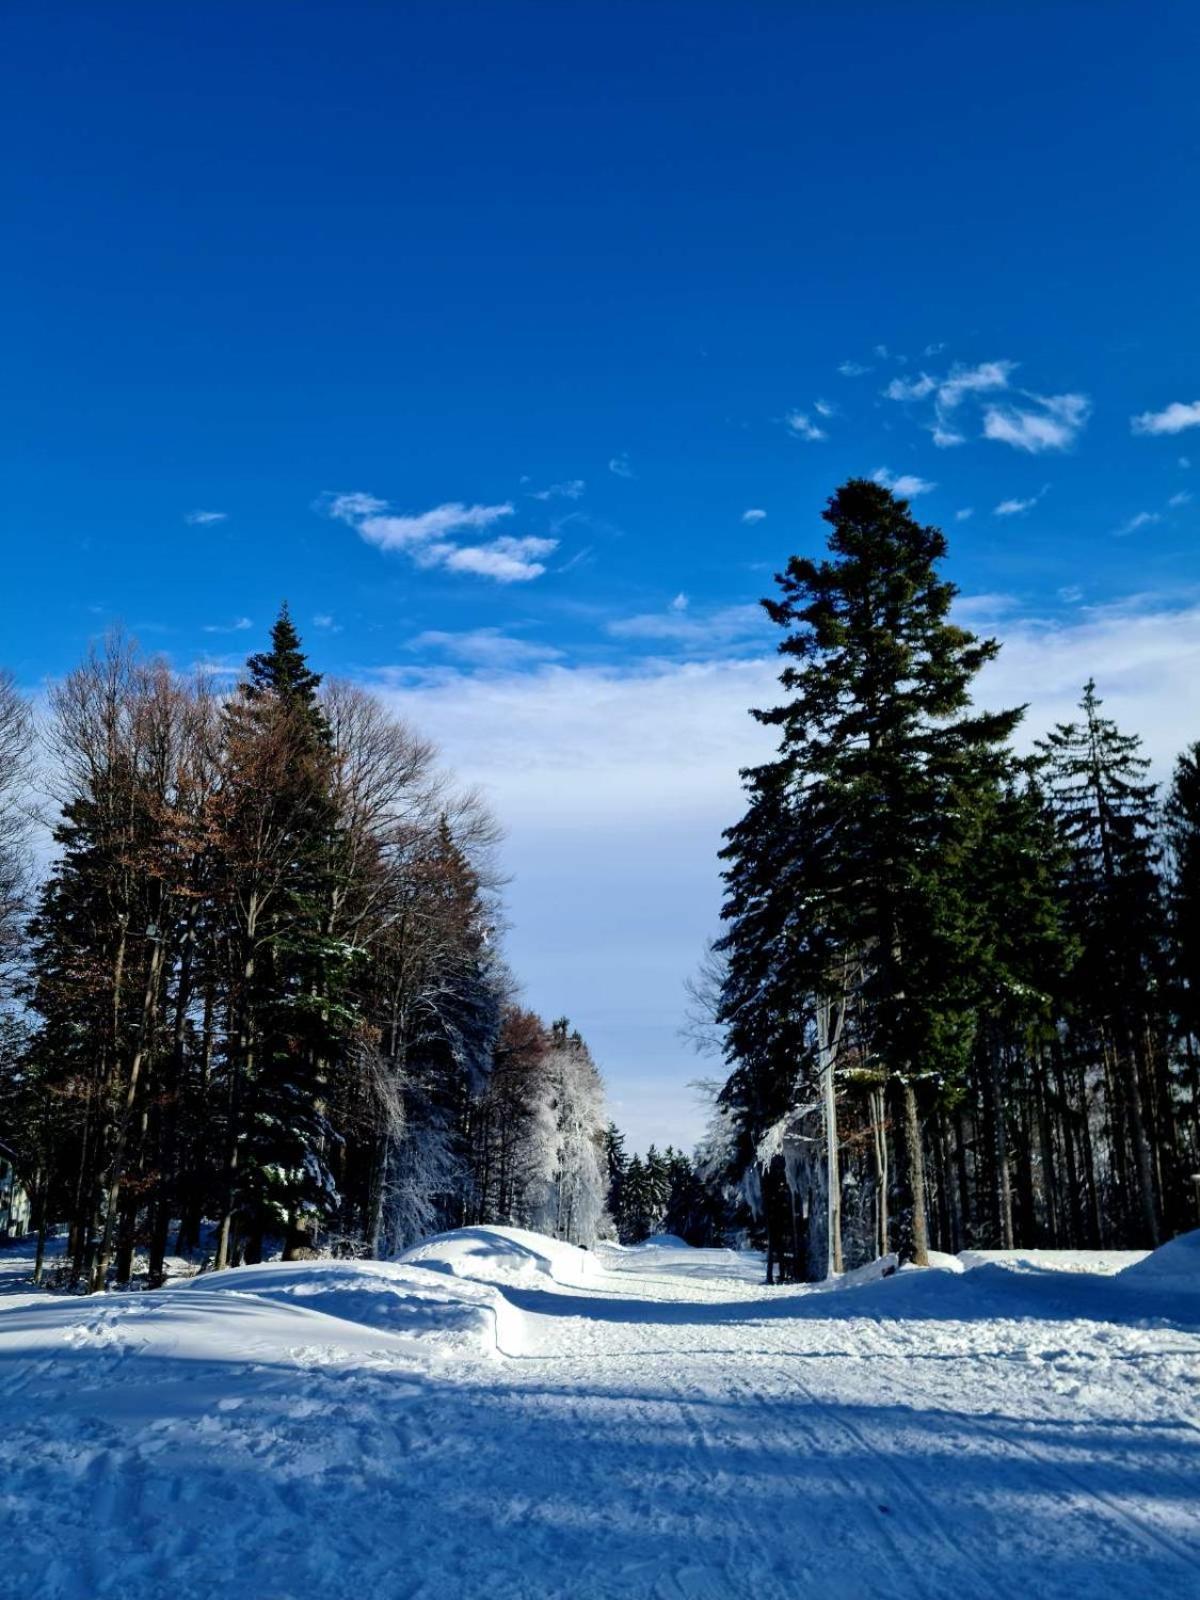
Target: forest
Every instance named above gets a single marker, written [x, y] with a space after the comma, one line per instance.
[957, 986]
[256, 1003]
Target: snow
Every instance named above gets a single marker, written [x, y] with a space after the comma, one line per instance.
[499, 1255]
[500, 1415]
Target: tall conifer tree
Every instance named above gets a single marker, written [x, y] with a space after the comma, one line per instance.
[880, 766]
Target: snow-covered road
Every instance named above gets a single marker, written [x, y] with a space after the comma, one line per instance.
[501, 1416]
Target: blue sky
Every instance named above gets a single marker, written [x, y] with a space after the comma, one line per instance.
[477, 331]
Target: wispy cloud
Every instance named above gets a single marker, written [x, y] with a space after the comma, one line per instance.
[620, 468]
[326, 623]
[678, 624]
[948, 392]
[414, 532]
[964, 514]
[238, 625]
[1180, 499]
[506, 560]
[426, 537]
[754, 514]
[203, 519]
[571, 490]
[1172, 419]
[802, 425]
[973, 609]
[1032, 422]
[485, 647]
[1143, 519]
[1016, 507]
[907, 485]
[825, 408]
[1054, 424]
[852, 369]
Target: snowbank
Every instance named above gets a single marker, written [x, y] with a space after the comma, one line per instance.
[1104, 1262]
[502, 1255]
[447, 1319]
[1174, 1266]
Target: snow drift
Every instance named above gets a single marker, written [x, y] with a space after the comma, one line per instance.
[502, 1255]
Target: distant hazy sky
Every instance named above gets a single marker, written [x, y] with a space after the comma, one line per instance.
[517, 345]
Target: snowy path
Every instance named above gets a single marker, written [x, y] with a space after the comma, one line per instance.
[660, 1424]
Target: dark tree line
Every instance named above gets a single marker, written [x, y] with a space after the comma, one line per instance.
[958, 988]
[258, 1004]
[663, 1192]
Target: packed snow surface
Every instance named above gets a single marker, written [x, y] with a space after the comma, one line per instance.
[502, 1416]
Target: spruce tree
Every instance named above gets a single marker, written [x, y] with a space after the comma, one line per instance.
[1095, 776]
[877, 779]
[276, 835]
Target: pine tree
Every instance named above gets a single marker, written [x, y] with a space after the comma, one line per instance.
[874, 790]
[1095, 777]
[616, 1162]
[276, 836]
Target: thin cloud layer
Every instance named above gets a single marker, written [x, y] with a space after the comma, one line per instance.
[203, 519]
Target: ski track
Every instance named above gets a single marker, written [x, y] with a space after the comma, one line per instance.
[666, 1427]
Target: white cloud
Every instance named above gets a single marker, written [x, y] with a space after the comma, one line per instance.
[409, 532]
[1055, 425]
[981, 379]
[1172, 419]
[965, 514]
[425, 537]
[945, 438]
[972, 610]
[1015, 507]
[907, 485]
[1071, 593]
[619, 466]
[326, 623]
[919, 388]
[825, 408]
[950, 390]
[754, 514]
[485, 647]
[852, 369]
[1143, 519]
[804, 427]
[202, 519]
[571, 490]
[948, 393]
[1180, 499]
[680, 625]
[506, 560]
[349, 507]
[238, 625]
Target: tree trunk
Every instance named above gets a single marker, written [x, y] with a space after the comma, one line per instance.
[911, 1223]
